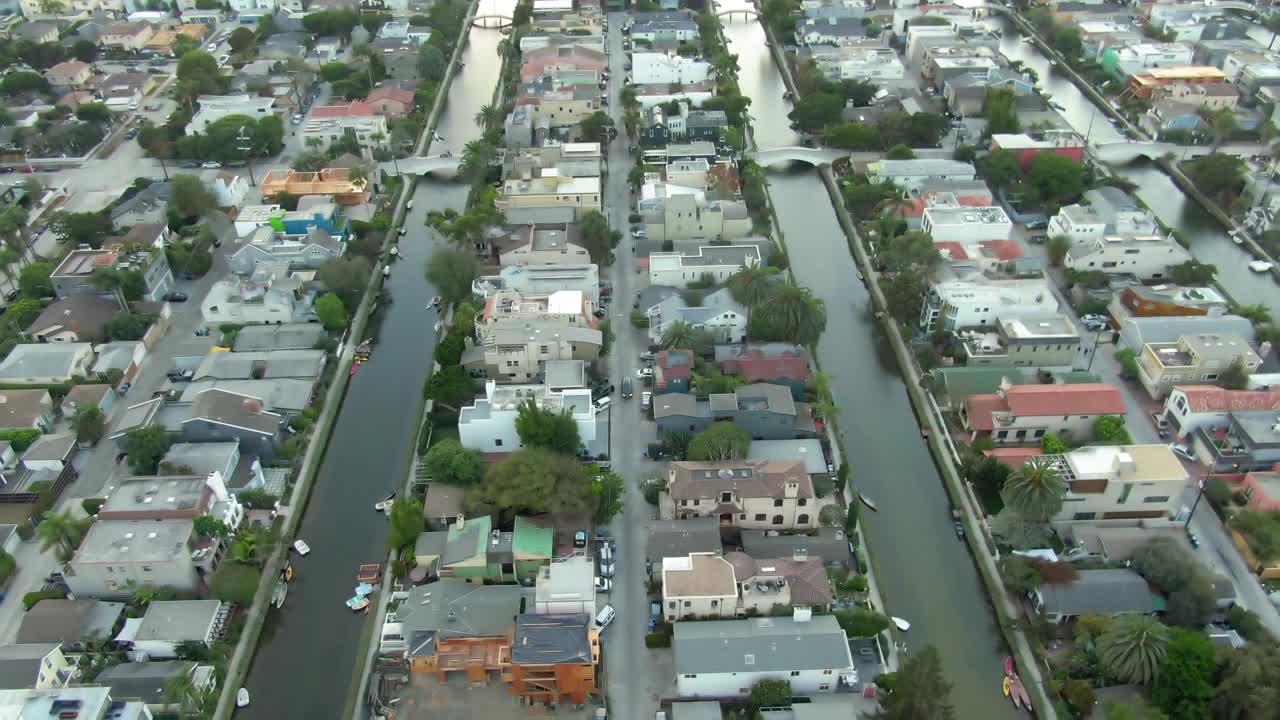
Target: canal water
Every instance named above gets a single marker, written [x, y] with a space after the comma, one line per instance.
[305, 663]
[1208, 240]
[925, 572]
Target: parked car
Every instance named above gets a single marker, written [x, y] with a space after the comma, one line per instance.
[211, 165]
[1184, 452]
[626, 388]
[603, 403]
[648, 355]
[11, 295]
[580, 539]
[646, 400]
[1160, 420]
[603, 584]
[176, 296]
[177, 375]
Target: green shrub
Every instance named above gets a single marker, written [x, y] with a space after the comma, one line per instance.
[92, 505]
[657, 640]
[39, 486]
[822, 485]
[7, 566]
[1218, 492]
[30, 599]
[20, 439]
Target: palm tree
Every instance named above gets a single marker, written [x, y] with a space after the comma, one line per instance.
[752, 286]
[795, 314]
[1034, 490]
[181, 692]
[358, 174]
[1132, 647]
[678, 334]
[244, 549]
[1256, 314]
[821, 399]
[488, 115]
[112, 280]
[476, 157]
[63, 531]
[1224, 126]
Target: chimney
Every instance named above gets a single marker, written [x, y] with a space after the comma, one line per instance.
[462, 522]
[253, 405]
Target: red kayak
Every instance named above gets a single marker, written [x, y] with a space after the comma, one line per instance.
[355, 368]
[1008, 665]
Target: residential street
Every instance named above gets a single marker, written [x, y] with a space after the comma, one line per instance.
[636, 678]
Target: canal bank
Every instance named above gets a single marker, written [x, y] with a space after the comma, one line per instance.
[925, 573]
[1204, 234]
[316, 638]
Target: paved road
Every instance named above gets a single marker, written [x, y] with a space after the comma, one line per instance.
[635, 676]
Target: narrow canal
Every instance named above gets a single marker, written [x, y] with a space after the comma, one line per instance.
[925, 573]
[1208, 240]
[305, 661]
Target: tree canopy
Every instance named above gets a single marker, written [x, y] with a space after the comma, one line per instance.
[545, 428]
[331, 311]
[452, 272]
[145, 447]
[449, 462]
[189, 196]
[347, 277]
[532, 481]
[720, 441]
[917, 691]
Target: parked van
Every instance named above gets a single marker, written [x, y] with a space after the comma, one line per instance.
[604, 617]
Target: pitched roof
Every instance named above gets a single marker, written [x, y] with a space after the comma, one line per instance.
[1013, 457]
[22, 408]
[235, 410]
[85, 395]
[1004, 249]
[404, 97]
[674, 538]
[552, 640]
[806, 578]
[83, 314]
[745, 478]
[756, 365]
[177, 620]
[144, 680]
[68, 621]
[759, 645]
[951, 250]
[1100, 592]
[20, 664]
[356, 108]
[829, 544]
[1210, 398]
[1044, 400]
[41, 360]
[531, 538]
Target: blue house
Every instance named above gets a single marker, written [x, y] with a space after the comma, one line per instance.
[654, 132]
[323, 215]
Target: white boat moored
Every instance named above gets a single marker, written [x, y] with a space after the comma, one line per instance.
[1260, 266]
[242, 697]
[302, 547]
[901, 624]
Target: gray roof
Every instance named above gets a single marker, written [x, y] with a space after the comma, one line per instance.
[443, 501]
[290, 336]
[304, 364]
[551, 639]
[675, 404]
[59, 620]
[431, 543]
[136, 416]
[677, 538]
[50, 447]
[116, 355]
[87, 313]
[810, 451]
[564, 373]
[461, 609]
[20, 664]
[177, 620]
[463, 546]
[1100, 592]
[926, 166]
[234, 410]
[41, 360]
[758, 645]
[143, 680]
[830, 544]
[283, 395]
[699, 710]
[202, 458]
[1138, 331]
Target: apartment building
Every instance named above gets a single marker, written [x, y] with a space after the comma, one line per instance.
[961, 224]
[1125, 61]
[513, 354]
[1119, 482]
[717, 262]
[542, 281]
[680, 213]
[1106, 211]
[651, 68]
[1048, 341]
[957, 304]
[1192, 360]
[521, 197]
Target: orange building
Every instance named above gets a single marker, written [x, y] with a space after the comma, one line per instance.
[1144, 84]
[554, 658]
[330, 181]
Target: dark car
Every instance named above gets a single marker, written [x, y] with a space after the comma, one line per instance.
[6, 170]
[235, 163]
[11, 295]
[176, 297]
[189, 164]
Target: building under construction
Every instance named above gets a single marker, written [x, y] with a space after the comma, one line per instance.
[330, 181]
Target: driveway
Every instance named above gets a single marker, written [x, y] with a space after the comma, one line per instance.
[632, 682]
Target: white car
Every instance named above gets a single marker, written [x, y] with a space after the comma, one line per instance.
[644, 372]
[211, 165]
[603, 584]
[646, 399]
[213, 47]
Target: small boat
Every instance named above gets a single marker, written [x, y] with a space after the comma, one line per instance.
[364, 589]
[302, 547]
[1013, 693]
[288, 572]
[1006, 686]
[363, 350]
[385, 503]
[957, 524]
[1008, 665]
[355, 367]
[395, 251]
[435, 301]
[1026, 39]
[386, 271]
[357, 603]
[861, 277]
[242, 697]
[1016, 688]
[1236, 237]
[901, 624]
[439, 325]
[277, 597]
[1260, 266]
[868, 502]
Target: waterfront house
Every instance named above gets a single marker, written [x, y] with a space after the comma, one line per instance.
[1197, 358]
[724, 658]
[709, 262]
[476, 551]
[1147, 257]
[434, 627]
[760, 494]
[1119, 482]
[699, 586]
[223, 416]
[1165, 300]
[168, 624]
[717, 311]
[777, 363]
[764, 411]
[1025, 413]
[1096, 592]
[150, 681]
[554, 659]
[542, 244]
[956, 304]
[1136, 332]
[1049, 341]
[488, 424]
[830, 545]
[1249, 440]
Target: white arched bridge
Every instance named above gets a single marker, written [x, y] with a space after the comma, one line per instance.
[492, 21]
[745, 12]
[766, 157]
[441, 164]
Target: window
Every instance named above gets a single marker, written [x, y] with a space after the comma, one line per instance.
[671, 605]
[759, 517]
[1209, 376]
[684, 503]
[777, 519]
[743, 516]
[688, 604]
[1002, 434]
[497, 442]
[1084, 516]
[726, 497]
[1039, 433]
[802, 520]
[795, 673]
[690, 677]
[826, 672]
[1156, 499]
[1124, 494]
[801, 502]
[824, 686]
[715, 603]
[777, 502]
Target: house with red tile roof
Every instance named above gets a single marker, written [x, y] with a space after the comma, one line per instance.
[392, 102]
[1025, 413]
[777, 363]
[1189, 407]
[1014, 457]
[672, 370]
[1262, 488]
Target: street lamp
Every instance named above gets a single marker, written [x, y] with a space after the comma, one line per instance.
[1194, 505]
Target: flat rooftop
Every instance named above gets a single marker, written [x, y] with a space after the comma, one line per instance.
[1039, 326]
[1151, 463]
[116, 541]
[157, 494]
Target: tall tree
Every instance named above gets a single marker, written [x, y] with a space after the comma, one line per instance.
[677, 335]
[189, 196]
[1034, 490]
[452, 272]
[545, 428]
[721, 441]
[917, 691]
[113, 281]
[449, 462]
[752, 286]
[1132, 648]
[794, 314]
[1248, 683]
[532, 480]
[407, 522]
[63, 531]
